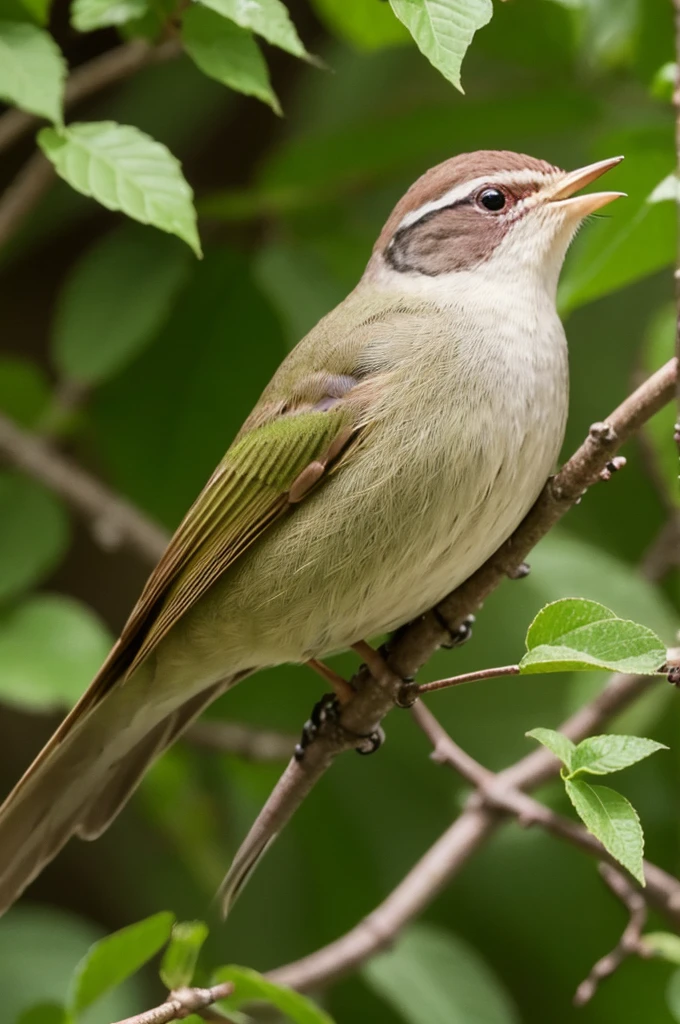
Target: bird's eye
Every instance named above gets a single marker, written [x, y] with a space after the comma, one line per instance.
[491, 199]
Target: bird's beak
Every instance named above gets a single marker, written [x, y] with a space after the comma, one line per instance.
[561, 192]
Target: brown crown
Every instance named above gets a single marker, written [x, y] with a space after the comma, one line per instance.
[440, 179]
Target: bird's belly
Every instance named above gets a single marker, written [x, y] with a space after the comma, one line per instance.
[372, 549]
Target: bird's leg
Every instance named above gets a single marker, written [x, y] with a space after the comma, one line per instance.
[343, 690]
[460, 635]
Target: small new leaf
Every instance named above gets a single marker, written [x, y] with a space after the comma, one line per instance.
[32, 70]
[443, 29]
[249, 986]
[600, 755]
[227, 53]
[113, 959]
[267, 18]
[179, 959]
[613, 820]
[124, 169]
[560, 745]
[665, 945]
[575, 635]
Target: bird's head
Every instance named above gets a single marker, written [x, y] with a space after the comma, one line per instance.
[509, 215]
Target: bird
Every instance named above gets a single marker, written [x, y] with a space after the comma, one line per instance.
[394, 450]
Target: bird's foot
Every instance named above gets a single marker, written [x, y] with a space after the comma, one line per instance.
[329, 709]
[458, 635]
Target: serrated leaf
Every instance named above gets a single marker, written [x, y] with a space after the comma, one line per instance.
[561, 746]
[179, 959]
[433, 977]
[88, 15]
[32, 70]
[114, 301]
[34, 533]
[443, 29]
[267, 18]
[50, 647]
[227, 53]
[575, 635]
[663, 944]
[113, 959]
[124, 169]
[367, 26]
[249, 986]
[600, 755]
[613, 820]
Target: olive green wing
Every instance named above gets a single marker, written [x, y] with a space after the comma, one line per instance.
[261, 478]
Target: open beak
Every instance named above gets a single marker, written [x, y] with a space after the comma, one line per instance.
[562, 192]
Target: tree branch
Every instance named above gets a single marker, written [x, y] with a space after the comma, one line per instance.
[414, 644]
[477, 823]
[23, 193]
[181, 1003]
[630, 943]
[113, 66]
[113, 520]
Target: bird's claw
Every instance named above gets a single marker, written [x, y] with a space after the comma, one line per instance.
[328, 710]
[458, 636]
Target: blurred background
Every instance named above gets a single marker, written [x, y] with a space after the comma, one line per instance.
[141, 362]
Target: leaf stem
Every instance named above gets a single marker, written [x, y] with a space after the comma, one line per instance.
[469, 677]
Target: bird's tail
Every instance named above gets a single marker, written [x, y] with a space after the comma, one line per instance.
[83, 778]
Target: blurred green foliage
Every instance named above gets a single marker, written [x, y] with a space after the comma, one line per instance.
[142, 362]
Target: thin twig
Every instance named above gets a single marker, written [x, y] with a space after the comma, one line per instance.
[113, 520]
[241, 740]
[414, 644]
[469, 677]
[181, 1003]
[477, 823]
[630, 943]
[23, 193]
[111, 67]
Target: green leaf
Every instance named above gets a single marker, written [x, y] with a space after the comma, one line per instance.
[433, 977]
[24, 390]
[32, 70]
[443, 29]
[114, 301]
[600, 755]
[561, 746]
[249, 986]
[50, 647]
[34, 533]
[44, 1013]
[38, 9]
[227, 53]
[663, 82]
[88, 15]
[575, 635]
[179, 959]
[663, 944]
[613, 820]
[124, 169]
[113, 959]
[267, 18]
[367, 26]
[637, 239]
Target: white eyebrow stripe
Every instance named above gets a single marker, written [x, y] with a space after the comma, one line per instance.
[454, 195]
